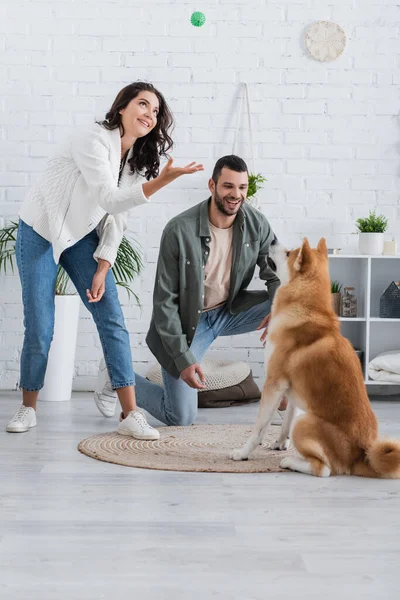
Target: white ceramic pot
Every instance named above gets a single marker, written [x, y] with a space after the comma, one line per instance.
[60, 366]
[254, 201]
[371, 243]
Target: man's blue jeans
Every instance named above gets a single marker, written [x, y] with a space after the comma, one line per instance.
[176, 403]
[38, 272]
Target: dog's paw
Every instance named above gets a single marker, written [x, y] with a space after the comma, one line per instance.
[286, 463]
[281, 444]
[238, 454]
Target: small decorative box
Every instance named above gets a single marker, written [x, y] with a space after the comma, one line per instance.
[389, 306]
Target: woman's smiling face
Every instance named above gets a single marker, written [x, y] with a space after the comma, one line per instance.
[139, 117]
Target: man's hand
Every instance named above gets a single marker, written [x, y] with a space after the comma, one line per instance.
[264, 325]
[191, 375]
[96, 293]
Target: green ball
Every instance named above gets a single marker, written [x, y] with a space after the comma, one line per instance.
[197, 19]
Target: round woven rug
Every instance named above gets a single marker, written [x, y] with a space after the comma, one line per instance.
[203, 448]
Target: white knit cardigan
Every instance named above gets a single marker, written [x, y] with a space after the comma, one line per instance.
[79, 191]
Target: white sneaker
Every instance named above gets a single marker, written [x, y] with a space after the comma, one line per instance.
[23, 420]
[104, 396]
[135, 425]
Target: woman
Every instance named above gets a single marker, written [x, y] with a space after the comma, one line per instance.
[76, 216]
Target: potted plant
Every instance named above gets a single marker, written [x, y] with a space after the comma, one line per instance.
[371, 233]
[336, 288]
[255, 184]
[60, 366]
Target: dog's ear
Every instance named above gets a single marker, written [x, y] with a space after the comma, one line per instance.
[322, 247]
[304, 255]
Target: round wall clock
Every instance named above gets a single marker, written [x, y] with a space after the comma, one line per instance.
[325, 40]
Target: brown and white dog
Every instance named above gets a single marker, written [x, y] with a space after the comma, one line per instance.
[310, 362]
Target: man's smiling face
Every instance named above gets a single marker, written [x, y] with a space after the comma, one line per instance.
[230, 191]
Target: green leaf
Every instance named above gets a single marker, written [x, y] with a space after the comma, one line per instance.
[255, 184]
[8, 238]
[336, 287]
[127, 266]
[129, 291]
[372, 223]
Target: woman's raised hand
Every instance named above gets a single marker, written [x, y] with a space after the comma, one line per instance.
[170, 173]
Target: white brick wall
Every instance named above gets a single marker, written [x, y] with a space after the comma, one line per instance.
[326, 135]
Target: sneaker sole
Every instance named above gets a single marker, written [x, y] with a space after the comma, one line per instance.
[136, 437]
[100, 409]
[11, 430]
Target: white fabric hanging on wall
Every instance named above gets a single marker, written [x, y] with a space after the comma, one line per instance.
[244, 95]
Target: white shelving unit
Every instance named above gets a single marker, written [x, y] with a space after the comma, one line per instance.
[370, 276]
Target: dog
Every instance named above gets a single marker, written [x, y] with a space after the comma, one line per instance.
[310, 362]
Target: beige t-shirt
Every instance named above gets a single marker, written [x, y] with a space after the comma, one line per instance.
[218, 268]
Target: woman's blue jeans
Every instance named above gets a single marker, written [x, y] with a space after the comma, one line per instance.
[38, 272]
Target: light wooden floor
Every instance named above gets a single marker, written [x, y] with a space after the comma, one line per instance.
[75, 528]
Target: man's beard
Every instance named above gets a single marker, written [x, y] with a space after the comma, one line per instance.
[220, 205]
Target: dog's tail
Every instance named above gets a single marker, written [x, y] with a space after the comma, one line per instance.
[382, 460]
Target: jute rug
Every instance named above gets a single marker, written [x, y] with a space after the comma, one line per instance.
[203, 448]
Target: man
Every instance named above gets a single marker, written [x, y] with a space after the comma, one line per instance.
[207, 259]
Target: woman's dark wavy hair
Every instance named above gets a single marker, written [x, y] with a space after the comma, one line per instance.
[149, 148]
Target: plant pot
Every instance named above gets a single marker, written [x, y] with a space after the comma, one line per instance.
[60, 366]
[360, 355]
[253, 201]
[336, 302]
[371, 243]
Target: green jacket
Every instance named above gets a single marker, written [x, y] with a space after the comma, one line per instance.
[179, 285]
